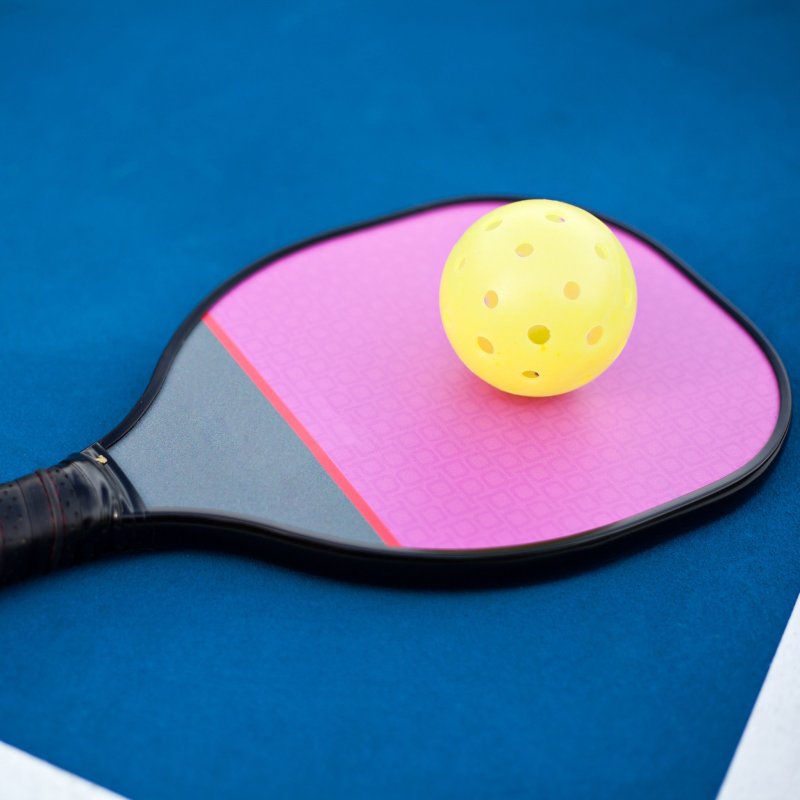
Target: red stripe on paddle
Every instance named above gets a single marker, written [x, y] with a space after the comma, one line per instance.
[305, 437]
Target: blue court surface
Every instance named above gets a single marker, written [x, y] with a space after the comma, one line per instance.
[148, 151]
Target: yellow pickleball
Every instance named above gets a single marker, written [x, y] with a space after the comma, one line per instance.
[538, 297]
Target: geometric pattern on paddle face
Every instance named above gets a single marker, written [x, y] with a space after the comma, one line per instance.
[347, 333]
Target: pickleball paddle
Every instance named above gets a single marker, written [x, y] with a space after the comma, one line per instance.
[313, 400]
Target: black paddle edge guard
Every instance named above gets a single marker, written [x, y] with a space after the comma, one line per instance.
[66, 514]
[433, 571]
[138, 528]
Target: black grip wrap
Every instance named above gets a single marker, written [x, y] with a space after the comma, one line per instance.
[68, 513]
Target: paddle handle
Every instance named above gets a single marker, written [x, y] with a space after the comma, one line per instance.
[68, 513]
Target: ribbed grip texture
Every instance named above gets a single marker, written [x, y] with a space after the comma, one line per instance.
[68, 513]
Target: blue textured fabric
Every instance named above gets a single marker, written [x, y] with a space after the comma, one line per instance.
[150, 149]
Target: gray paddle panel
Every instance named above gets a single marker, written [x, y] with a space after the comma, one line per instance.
[212, 441]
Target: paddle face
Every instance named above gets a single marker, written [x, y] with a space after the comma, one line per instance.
[318, 396]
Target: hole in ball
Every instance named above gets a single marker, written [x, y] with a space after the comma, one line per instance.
[554, 218]
[601, 251]
[490, 299]
[495, 223]
[530, 373]
[595, 334]
[524, 250]
[572, 290]
[485, 345]
[539, 334]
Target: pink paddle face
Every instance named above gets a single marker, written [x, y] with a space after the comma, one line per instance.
[341, 341]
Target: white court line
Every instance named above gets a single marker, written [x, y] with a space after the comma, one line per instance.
[25, 777]
[766, 764]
